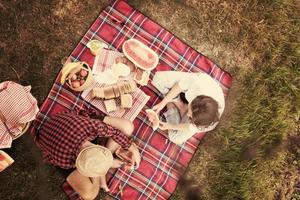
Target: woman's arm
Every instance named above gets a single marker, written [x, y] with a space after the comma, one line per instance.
[126, 127]
[178, 127]
[169, 97]
[123, 125]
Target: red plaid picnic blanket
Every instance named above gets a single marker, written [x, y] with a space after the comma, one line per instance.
[162, 161]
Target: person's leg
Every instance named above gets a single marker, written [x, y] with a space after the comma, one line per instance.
[179, 137]
[126, 127]
[87, 188]
[123, 125]
[116, 164]
[103, 184]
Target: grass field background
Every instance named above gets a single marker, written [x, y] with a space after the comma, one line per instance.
[253, 154]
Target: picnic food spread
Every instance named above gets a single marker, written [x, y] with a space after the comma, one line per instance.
[127, 71]
[115, 90]
[111, 92]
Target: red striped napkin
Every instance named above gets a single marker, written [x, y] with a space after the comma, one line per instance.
[102, 63]
[18, 107]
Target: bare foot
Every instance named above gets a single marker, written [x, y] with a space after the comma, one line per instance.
[103, 184]
[117, 163]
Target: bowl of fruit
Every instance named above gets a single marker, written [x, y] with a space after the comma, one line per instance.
[77, 75]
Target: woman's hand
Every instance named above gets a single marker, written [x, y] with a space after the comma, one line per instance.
[153, 118]
[165, 126]
[136, 157]
[158, 107]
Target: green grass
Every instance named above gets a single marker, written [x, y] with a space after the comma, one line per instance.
[266, 116]
[250, 165]
[255, 154]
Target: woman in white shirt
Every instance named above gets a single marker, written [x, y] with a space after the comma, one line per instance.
[198, 98]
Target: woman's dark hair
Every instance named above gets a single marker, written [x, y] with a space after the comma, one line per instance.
[204, 111]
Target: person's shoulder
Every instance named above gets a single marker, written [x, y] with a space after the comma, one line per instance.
[205, 76]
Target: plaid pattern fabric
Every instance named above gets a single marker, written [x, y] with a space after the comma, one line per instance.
[60, 138]
[18, 107]
[162, 161]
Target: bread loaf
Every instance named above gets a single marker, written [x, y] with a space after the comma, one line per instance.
[108, 93]
[115, 90]
[98, 92]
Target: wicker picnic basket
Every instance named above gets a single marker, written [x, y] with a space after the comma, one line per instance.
[24, 130]
[74, 68]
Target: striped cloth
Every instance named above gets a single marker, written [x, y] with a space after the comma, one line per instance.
[162, 161]
[103, 62]
[17, 107]
[139, 100]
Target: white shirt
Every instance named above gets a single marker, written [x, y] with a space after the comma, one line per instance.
[196, 84]
[193, 85]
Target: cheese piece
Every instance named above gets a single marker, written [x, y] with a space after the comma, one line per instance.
[120, 69]
[126, 101]
[110, 105]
